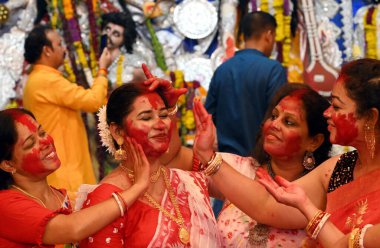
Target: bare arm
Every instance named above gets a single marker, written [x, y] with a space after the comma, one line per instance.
[249, 195]
[81, 224]
[293, 195]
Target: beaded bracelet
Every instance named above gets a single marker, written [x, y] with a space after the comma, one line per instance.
[119, 204]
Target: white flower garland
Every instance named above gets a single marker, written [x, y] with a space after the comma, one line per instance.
[104, 130]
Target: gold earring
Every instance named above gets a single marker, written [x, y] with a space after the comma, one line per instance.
[369, 136]
[120, 153]
[14, 171]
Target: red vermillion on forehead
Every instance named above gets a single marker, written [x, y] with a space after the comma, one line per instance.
[23, 119]
[154, 99]
[292, 104]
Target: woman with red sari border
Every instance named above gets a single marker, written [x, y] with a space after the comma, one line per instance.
[175, 210]
[345, 185]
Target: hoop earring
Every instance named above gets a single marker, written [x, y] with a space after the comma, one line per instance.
[120, 154]
[369, 136]
[308, 161]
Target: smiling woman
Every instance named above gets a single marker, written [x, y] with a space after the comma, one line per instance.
[175, 210]
[293, 140]
[31, 211]
[344, 186]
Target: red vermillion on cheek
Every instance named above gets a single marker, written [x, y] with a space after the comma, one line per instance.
[346, 129]
[140, 134]
[32, 162]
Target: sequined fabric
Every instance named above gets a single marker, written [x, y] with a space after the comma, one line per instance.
[344, 170]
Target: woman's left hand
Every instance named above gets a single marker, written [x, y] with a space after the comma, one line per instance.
[171, 94]
[205, 132]
[282, 190]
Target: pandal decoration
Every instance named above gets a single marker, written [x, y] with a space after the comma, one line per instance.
[185, 113]
[370, 19]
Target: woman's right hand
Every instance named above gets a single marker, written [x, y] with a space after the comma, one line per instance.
[141, 166]
[205, 133]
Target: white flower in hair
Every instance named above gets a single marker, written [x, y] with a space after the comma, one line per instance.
[104, 130]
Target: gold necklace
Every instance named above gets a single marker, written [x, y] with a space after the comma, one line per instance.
[35, 197]
[60, 203]
[153, 177]
[183, 233]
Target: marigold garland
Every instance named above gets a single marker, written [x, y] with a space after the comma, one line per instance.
[119, 70]
[185, 114]
[370, 32]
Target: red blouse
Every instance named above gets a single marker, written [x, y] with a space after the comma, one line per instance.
[23, 220]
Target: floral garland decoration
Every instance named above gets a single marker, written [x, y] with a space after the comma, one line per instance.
[186, 121]
[119, 70]
[286, 46]
[348, 25]
[370, 32]
[157, 47]
[104, 130]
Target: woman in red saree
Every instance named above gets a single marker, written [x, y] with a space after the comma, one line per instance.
[345, 184]
[175, 210]
[34, 214]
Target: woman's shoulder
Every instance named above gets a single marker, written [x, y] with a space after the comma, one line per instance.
[327, 168]
[97, 194]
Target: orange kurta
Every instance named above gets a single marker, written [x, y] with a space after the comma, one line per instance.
[56, 103]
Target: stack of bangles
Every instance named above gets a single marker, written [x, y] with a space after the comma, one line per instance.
[356, 238]
[122, 204]
[315, 225]
[213, 165]
[103, 72]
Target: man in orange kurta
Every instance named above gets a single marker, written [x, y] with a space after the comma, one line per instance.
[57, 104]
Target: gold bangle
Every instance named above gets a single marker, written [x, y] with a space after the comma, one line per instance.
[173, 110]
[353, 238]
[214, 164]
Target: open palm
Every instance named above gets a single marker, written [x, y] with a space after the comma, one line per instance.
[281, 189]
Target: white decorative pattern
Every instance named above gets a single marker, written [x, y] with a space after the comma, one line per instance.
[348, 26]
[104, 130]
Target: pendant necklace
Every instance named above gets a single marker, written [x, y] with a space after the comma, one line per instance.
[35, 197]
[183, 233]
[153, 177]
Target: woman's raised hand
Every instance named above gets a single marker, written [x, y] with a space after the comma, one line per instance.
[205, 132]
[171, 94]
[282, 190]
[141, 166]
